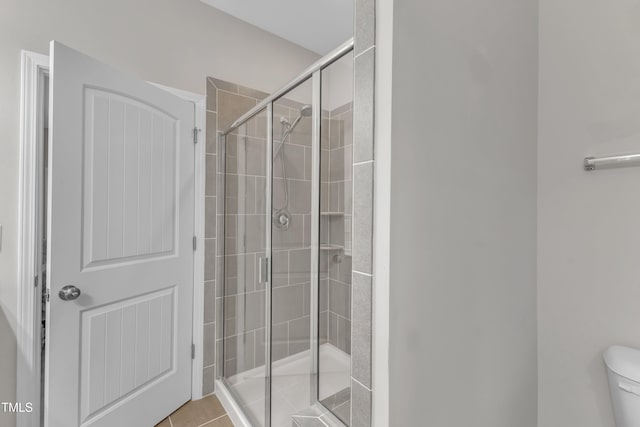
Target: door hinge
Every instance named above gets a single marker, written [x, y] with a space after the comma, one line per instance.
[35, 281]
[193, 351]
[45, 295]
[195, 243]
[195, 135]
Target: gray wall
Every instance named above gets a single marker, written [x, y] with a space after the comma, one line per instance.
[588, 249]
[463, 214]
[174, 42]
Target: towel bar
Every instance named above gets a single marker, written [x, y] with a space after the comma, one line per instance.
[627, 160]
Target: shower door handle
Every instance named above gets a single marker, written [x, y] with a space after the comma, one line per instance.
[263, 270]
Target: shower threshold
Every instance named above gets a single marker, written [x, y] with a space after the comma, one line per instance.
[290, 384]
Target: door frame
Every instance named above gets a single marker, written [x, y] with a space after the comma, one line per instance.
[34, 67]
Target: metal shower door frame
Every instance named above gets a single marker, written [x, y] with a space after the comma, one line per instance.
[314, 73]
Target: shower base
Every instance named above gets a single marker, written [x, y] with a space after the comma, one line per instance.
[290, 386]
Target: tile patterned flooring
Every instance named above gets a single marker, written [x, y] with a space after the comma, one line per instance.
[206, 412]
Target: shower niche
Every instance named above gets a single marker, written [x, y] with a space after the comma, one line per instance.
[283, 328]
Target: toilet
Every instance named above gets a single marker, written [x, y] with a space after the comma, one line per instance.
[623, 369]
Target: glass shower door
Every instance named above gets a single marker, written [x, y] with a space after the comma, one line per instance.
[285, 321]
[291, 293]
[336, 211]
[246, 225]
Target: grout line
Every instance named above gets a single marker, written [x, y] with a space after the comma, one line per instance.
[221, 416]
[364, 386]
[362, 273]
[363, 162]
[365, 51]
[213, 419]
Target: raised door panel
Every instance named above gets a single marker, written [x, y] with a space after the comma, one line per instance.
[129, 180]
[125, 348]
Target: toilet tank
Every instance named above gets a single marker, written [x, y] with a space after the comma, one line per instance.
[623, 369]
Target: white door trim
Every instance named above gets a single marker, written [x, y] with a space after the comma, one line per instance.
[29, 193]
[30, 196]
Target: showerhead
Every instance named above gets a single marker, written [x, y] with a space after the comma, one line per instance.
[306, 110]
[282, 217]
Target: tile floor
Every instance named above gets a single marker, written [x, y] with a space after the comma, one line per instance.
[206, 412]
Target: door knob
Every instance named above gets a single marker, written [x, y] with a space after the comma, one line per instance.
[69, 293]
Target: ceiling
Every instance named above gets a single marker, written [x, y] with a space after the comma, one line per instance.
[318, 25]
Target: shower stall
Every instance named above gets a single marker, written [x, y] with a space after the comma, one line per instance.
[283, 339]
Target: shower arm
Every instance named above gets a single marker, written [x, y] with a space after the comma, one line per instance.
[280, 151]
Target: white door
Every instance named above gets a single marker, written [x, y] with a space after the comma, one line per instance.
[121, 169]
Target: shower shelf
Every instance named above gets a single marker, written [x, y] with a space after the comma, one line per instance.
[332, 213]
[331, 248]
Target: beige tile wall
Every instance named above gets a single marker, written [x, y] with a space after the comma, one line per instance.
[245, 177]
[335, 229]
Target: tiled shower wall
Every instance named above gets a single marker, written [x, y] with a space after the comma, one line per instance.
[291, 253]
[363, 185]
[336, 212]
[225, 103]
[244, 244]
[291, 308]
